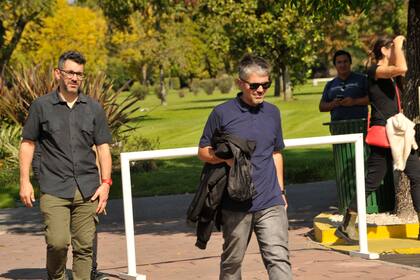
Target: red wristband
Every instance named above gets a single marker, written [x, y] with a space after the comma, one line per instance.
[107, 181]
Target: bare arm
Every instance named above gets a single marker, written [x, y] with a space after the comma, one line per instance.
[348, 101]
[397, 65]
[206, 154]
[26, 190]
[278, 162]
[105, 164]
[328, 106]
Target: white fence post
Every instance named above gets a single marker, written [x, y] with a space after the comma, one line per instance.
[357, 139]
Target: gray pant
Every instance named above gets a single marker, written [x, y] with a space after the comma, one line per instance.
[271, 229]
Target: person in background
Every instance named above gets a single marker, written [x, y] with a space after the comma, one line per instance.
[389, 66]
[345, 97]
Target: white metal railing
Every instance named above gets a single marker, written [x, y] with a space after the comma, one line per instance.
[357, 139]
[320, 80]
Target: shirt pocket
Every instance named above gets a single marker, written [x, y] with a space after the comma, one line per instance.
[51, 127]
[87, 129]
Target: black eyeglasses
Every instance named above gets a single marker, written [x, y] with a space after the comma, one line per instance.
[69, 74]
[255, 86]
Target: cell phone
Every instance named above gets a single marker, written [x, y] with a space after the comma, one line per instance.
[340, 96]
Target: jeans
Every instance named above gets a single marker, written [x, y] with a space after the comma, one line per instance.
[271, 229]
[377, 166]
[69, 220]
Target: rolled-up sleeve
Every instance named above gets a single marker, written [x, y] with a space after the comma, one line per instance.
[212, 123]
[31, 129]
[102, 133]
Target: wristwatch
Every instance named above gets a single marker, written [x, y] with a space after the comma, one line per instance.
[107, 181]
[283, 191]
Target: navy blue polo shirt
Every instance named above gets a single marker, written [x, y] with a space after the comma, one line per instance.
[65, 136]
[356, 86]
[261, 124]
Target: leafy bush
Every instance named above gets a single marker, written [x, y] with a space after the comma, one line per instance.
[195, 86]
[9, 145]
[9, 191]
[139, 90]
[225, 84]
[208, 85]
[173, 83]
[135, 144]
[182, 92]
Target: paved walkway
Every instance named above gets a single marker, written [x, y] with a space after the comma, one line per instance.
[165, 245]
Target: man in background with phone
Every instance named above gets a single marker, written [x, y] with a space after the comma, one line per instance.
[345, 97]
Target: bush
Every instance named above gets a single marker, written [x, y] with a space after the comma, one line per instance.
[139, 90]
[135, 144]
[182, 92]
[173, 83]
[208, 85]
[225, 84]
[9, 145]
[195, 86]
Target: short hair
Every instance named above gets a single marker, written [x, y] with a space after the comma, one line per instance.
[71, 55]
[253, 64]
[341, 52]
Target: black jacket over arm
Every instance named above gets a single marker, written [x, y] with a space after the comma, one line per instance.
[216, 178]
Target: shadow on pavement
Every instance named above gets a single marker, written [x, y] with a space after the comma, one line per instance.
[25, 273]
[165, 215]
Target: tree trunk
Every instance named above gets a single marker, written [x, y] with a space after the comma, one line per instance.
[277, 79]
[287, 89]
[410, 98]
[162, 90]
[277, 84]
[403, 202]
[144, 74]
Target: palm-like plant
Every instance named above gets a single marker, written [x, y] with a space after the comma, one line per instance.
[25, 85]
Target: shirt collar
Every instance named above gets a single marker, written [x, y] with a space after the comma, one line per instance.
[245, 107]
[56, 98]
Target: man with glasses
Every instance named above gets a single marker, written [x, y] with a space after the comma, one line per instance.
[249, 117]
[345, 97]
[66, 124]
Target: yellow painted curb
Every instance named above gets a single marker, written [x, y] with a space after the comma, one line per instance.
[324, 230]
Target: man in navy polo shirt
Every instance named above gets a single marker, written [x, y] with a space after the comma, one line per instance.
[345, 97]
[249, 117]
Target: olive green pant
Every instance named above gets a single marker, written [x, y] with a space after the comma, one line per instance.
[68, 220]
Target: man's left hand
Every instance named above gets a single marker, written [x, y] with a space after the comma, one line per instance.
[102, 193]
[285, 202]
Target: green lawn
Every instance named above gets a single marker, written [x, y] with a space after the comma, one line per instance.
[180, 123]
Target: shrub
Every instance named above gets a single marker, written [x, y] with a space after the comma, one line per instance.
[225, 84]
[195, 86]
[139, 90]
[9, 145]
[173, 83]
[208, 85]
[135, 144]
[182, 92]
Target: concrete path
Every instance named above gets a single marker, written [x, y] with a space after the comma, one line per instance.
[165, 244]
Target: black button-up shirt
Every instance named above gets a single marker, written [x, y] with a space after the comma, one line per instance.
[65, 138]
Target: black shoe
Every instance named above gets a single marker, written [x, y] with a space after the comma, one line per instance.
[342, 234]
[95, 275]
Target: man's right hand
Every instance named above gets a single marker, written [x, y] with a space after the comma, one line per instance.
[26, 194]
